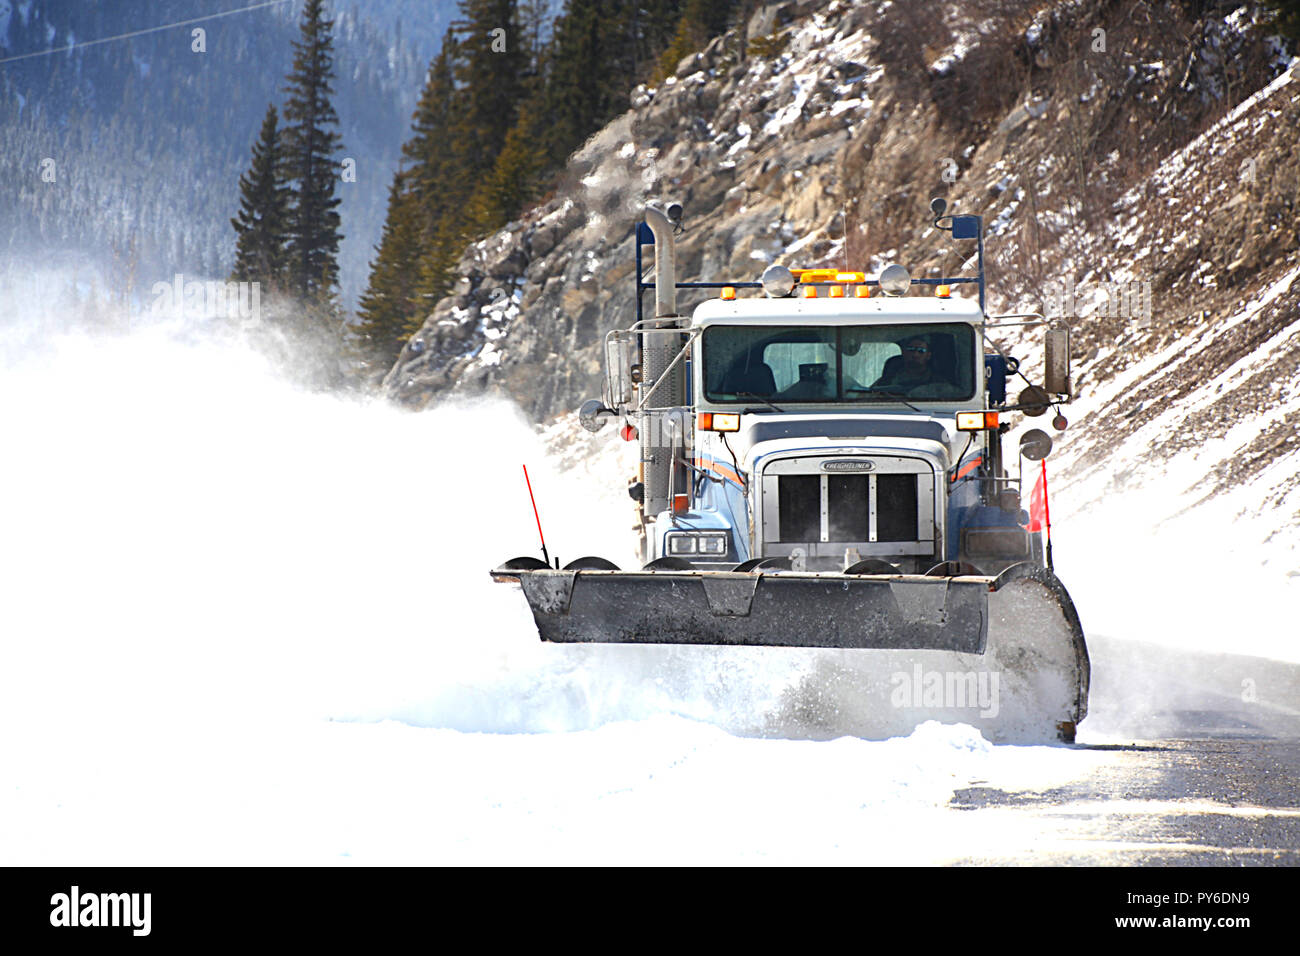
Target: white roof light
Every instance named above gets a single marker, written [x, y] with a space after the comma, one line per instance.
[894, 280]
[778, 281]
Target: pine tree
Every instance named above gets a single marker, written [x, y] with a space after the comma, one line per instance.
[490, 62]
[310, 145]
[439, 180]
[424, 230]
[436, 179]
[574, 89]
[533, 15]
[658, 27]
[514, 178]
[600, 50]
[438, 265]
[263, 218]
[701, 20]
[391, 310]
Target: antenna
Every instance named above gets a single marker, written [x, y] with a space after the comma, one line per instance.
[538, 517]
[844, 223]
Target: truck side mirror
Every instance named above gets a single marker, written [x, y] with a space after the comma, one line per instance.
[620, 354]
[1035, 444]
[1056, 348]
[593, 415]
[965, 227]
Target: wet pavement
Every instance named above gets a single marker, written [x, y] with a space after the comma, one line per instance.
[1201, 767]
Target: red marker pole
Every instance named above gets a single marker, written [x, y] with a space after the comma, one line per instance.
[1047, 517]
[535, 515]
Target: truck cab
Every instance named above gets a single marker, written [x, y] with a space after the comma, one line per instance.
[824, 433]
[819, 420]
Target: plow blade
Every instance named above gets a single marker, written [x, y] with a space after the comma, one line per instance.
[1005, 654]
[774, 610]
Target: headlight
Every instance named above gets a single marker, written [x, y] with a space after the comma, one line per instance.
[709, 542]
[713, 544]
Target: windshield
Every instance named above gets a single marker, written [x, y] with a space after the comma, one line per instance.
[872, 363]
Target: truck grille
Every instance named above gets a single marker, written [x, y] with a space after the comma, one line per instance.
[882, 505]
[801, 507]
[848, 508]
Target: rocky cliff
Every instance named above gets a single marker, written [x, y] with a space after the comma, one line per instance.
[1134, 164]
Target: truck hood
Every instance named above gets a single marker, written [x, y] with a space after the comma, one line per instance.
[935, 452]
[761, 433]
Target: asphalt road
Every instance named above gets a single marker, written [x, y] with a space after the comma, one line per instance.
[1201, 767]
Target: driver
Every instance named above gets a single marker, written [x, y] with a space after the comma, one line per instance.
[915, 367]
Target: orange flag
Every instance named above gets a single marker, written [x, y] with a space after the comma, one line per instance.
[1038, 513]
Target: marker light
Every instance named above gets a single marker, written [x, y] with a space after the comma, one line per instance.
[810, 292]
[976, 421]
[943, 291]
[718, 422]
[837, 292]
[863, 292]
[729, 292]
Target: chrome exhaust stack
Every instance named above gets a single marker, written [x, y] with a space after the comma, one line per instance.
[661, 341]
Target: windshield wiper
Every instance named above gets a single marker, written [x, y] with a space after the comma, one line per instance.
[760, 398]
[888, 393]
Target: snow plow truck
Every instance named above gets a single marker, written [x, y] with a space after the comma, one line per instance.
[822, 467]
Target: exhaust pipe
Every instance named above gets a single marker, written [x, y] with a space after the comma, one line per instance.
[660, 343]
[661, 223]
